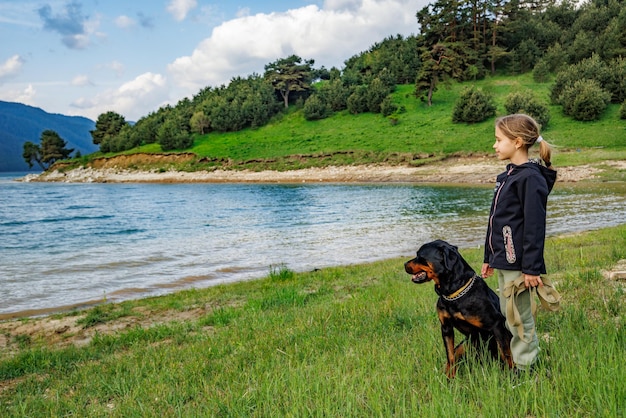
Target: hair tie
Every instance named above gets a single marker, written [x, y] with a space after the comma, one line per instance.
[539, 139]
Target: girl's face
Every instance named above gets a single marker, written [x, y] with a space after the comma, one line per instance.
[505, 148]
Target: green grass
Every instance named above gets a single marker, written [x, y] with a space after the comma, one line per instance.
[291, 142]
[348, 341]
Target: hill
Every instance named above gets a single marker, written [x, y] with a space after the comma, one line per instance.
[419, 135]
[20, 123]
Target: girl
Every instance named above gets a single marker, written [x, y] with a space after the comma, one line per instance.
[517, 224]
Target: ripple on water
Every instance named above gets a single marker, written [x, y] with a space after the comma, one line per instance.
[67, 245]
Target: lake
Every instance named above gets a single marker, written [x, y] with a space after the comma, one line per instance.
[65, 245]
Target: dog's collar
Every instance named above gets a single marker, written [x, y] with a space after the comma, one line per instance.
[462, 291]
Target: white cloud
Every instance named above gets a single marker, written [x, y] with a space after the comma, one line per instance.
[124, 22]
[11, 66]
[131, 99]
[78, 41]
[25, 96]
[180, 8]
[329, 35]
[81, 80]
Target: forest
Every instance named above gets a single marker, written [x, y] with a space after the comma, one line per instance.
[580, 48]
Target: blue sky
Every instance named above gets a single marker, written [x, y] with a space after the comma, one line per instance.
[87, 57]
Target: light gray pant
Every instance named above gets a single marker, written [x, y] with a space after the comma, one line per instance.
[525, 350]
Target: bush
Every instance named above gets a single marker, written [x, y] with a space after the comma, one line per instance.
[315, 108]
[335, 94]
[388, 107]
[357, 102]
[171, 136]
[555, 57]
[376, 93]
[541, 72]
[473, 106]
[589, 69]
[525, 102]
[585, 100]
[622, 110]
[617, 80]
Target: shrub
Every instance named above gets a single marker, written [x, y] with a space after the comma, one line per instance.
[335, 94]
[473, 106]
[376, 93]
[357, 102]
[525, 102]
[590, 69]
[388, 107]
[585, 100]
[622, 110]
[315, 108]
[541, 72]
[617, 80]
[171, 136]
[555, 57]
[200, 123]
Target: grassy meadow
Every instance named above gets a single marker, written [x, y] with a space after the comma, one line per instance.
[350, 341]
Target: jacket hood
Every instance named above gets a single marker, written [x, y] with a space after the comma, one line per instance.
[547, 173]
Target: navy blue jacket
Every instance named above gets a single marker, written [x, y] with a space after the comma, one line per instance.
[517, 219]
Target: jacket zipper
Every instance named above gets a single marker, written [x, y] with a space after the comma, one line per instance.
[493, 213]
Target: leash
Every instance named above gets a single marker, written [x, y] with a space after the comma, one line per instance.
[548, 296]
[462, 291]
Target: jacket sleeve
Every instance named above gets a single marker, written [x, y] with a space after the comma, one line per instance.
[535, 198]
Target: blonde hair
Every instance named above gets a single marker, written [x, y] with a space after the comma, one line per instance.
[525, 128]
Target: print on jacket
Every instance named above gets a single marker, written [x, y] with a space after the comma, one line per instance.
[507, 233]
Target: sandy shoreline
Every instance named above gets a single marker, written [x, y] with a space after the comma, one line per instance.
[475, 170]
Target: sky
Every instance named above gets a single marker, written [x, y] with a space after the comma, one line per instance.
[88, 57]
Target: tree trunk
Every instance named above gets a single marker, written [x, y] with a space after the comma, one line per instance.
[285, 95]
[430, 91]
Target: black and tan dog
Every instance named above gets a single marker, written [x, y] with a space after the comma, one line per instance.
[465, 302]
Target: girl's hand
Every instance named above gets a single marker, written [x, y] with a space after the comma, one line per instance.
[532, 281]
[486, 271]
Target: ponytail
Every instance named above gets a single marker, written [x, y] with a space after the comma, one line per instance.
[545, 152]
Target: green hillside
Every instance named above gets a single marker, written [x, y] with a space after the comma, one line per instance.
[419, 135]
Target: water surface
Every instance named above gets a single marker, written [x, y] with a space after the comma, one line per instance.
[67, 244]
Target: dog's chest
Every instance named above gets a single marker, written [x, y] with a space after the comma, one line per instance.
[465, 317]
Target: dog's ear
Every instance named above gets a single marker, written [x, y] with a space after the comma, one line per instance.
[450, 256]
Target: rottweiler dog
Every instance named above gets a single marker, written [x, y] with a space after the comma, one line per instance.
[465, 302]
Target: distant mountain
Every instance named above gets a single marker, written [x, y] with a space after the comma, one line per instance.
[20, 123]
